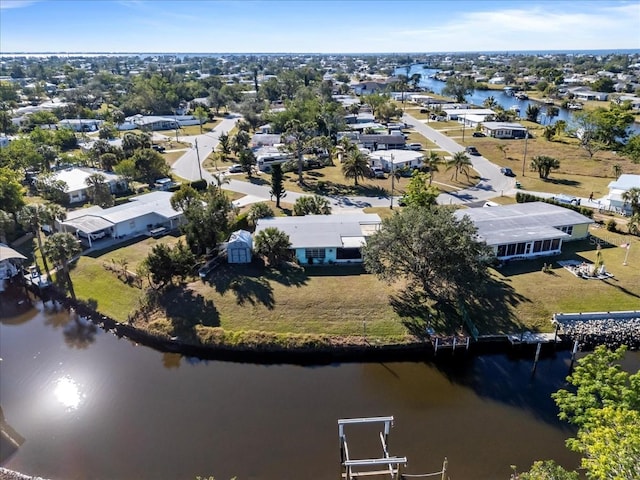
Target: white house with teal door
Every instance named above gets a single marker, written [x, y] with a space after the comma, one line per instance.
[325, 239]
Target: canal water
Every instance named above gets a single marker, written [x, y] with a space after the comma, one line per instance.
[477, 97]
[92, 406]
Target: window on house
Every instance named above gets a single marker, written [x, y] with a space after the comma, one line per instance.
[568, 229]
[546, 245]
[537, 246]
[555, 244]
[502, 251]
[315, 252]
[511, 249]
[520, 248]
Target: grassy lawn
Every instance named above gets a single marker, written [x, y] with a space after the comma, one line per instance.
[171, 157]
[543, 294]
[195, 129]
[578, 173]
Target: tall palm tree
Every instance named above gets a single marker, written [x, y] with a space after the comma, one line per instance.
[54, 213]
[273, 244]
[617, 170]
[32, 217]
[6, 222]
[460, 163]
[632, 197]
[431, 161]
[532, 113]
[61, 248]
[355, 166]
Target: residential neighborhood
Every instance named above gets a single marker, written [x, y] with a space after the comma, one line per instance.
[220, 253]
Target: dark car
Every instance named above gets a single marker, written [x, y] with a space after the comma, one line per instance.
[158, 148]
[478, 134]
[472, 150]
[507, 172]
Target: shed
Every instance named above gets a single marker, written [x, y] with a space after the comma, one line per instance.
[239, 247]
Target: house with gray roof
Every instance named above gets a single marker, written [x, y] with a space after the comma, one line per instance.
[504, 129]
[322, 239]
[527, 230]
[139, 216]
[75, 182]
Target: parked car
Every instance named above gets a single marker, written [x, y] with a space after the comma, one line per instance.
[235, 168]
[377, 172]
[472, 150]
[507, 172]
[570, 199]
[414, 146]
[478, 134]
[158, 148]
[207, 268]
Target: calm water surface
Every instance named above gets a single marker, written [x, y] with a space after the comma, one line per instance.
[92, 406]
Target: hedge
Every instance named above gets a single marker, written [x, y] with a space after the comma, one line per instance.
[527, 197]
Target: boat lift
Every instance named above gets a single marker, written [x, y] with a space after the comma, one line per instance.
[353, 468]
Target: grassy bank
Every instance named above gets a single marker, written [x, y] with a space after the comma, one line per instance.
[240, 304]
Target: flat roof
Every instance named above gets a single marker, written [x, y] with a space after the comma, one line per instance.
[399, 156]
[323, 231]
[505, 125]
[522, 222]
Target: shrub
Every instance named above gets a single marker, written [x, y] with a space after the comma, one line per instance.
[612, 226]
[527, 197]
[199, 185]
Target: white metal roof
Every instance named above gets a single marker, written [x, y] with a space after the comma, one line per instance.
[323, 231]
[75, 178]
[399, 156]
[522, 222]
[503, 125]
[625, 182]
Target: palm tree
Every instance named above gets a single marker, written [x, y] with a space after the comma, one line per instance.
[617, 170]
[272, 244]
[355, 166]
[431, 161]
[503, 148]
[315, 205]
[99, 190]
[490, 102]
[460, 162]
[6, 222]
[552, 112]
[543, 164]
[32, 217]
[224, 145]
[632, 197]
[61, 248]
[532, 113]
[54, 213]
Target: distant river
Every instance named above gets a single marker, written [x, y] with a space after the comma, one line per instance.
[92, 406]
[477, 97]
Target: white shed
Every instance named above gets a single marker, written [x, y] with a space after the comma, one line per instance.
[239, 247]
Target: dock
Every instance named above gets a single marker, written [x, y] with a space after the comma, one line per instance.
[529, 338]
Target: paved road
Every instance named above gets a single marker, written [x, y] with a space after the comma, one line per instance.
[492, 182]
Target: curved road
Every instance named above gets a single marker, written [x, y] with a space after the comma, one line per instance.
[492, 182]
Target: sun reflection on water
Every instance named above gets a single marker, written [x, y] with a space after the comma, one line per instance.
[68, 393]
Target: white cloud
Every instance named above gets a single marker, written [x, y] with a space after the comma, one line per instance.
[7, 4]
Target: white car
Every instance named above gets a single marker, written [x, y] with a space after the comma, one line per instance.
[236, 168]
[414, 146]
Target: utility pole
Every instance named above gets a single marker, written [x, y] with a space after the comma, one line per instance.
[524, 157]
[198, 157]
[393, 179]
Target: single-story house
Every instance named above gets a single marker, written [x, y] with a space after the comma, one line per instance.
[150, 122]
[617, 188]
[81, 124]
[364, 117]
[390, 160]
[368, 87]
[322, 239]
[460, 113]
[581, 93]
[382, 142]
[504, 130]
[527, 230]
[75, 180]
[265, 140]
[138, 216]
[239, 247]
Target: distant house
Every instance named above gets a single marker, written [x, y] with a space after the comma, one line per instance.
[504, 130]
[81, 124]
[239, 247]
[527, 230]
[583, 93]
[322, 239]
[265, 140]
[382, 142]
[618, 188]
[390, 160]
[460, 114]
[75, 180]
[369, 87]
[137, 217]
[150, 122]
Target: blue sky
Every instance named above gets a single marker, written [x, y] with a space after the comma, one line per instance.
[329, 26]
